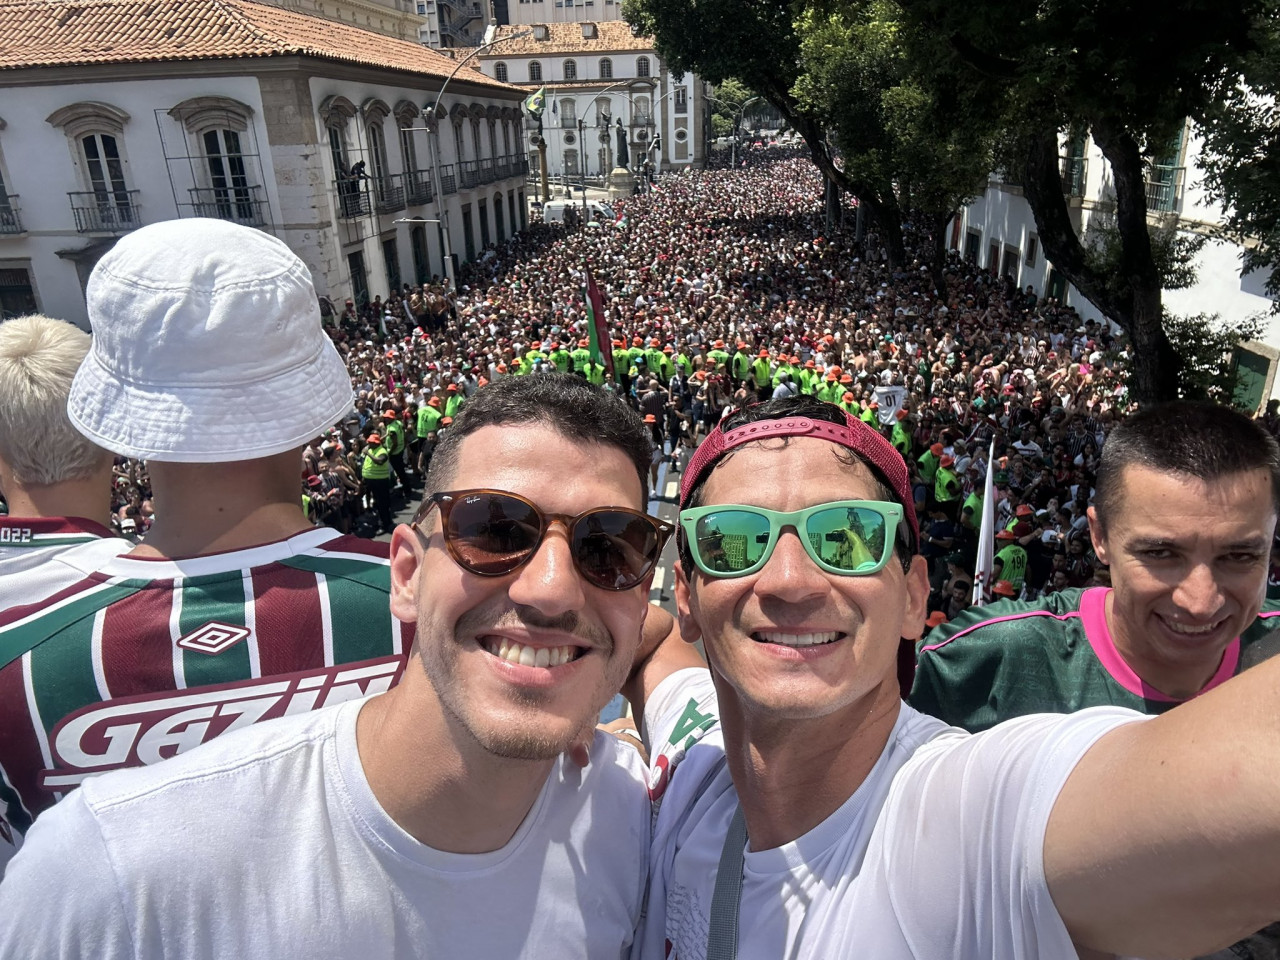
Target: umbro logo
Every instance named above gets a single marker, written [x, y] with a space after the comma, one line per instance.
[213, 638]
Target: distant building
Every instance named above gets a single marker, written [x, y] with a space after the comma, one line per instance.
[998, 232]
[453, 23]
[135, 111]
[391, 18]
[597, 73]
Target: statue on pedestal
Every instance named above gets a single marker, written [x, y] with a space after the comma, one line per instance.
[623, 158]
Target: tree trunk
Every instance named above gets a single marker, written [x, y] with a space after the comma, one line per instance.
[1134, 302]
[938, 253]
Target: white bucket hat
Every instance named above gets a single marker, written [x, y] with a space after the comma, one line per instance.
[207, 347]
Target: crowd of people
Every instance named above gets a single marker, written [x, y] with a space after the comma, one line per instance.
[727, 287]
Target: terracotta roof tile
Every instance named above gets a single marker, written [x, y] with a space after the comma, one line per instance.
[36, 33]
[612, 36]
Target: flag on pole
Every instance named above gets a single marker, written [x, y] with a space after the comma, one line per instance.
[986, 535]
[535, 102]
[601, 345]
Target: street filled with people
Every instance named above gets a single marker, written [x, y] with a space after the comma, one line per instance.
[726, 287]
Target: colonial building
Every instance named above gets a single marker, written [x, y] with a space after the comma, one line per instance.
[391, 18]
[118, 113]
[998, 231]
[600, 78]
[453, 23]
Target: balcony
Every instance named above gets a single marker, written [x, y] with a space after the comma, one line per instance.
[243, 205]
[505, 167]
[448, 182]
[1075, 175]
[352, 198]
[388, 194]
[1164, 188]
[105, 212]
[10, 215]
[523, 165]
[469, 174]
[417, 187]
[642, 120]
[488, 172]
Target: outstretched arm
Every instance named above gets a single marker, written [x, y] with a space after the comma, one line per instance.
[1165, 839]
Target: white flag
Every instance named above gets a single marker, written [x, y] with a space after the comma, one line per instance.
[986, 535]
[890, 400]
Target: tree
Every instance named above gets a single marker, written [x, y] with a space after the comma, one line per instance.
[1130, 74]
[897, 131]
[1242, 157]
[755, 42]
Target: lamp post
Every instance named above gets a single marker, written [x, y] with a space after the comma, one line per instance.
[582, 169]
[739, 113]
[435, 159]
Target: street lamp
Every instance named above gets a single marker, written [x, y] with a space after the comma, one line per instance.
[739, 113]
[435, 159]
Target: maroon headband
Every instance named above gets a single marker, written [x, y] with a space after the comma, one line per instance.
[854, 435]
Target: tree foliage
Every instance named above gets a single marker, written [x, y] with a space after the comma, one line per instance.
[1206, 342]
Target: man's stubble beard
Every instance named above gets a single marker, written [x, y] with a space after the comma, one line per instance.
[509, 741]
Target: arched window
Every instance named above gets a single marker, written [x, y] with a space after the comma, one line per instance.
[500, 71]
[642, 66]
[535, 71]
[568, 113]
[571, 70]
[606, 69]
[571, 161]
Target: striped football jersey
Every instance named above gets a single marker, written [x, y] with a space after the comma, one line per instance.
[145, 658]
[1056, 655]
[28, 544]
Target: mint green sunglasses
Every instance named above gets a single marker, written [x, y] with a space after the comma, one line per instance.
[851, 538]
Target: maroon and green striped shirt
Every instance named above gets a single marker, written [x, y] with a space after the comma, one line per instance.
[146, 658]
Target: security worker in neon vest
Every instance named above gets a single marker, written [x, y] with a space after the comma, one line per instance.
[1010, 562]
[594, 372]
[870, 416]
[560, 357]
[582, 356]
[393, 437]
[376, 473]
[683, 363]
[454, 399]
[901, 438]
[533, 354]
[928, 462]
[761, 379]
[810, 378]
[848, 405]
[740, 369]
[717, 355]
[946, 485]
[830, 390]
[428, 421]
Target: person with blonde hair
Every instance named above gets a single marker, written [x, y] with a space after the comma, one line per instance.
[55, 481]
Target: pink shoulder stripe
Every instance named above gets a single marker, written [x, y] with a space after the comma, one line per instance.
[1021, 615]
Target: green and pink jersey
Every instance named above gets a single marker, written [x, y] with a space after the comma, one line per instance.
[146, 658]
[1055, 655]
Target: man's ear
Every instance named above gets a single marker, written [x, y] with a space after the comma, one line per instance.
[406, 557]
[916, 608]
[690, 632]
[1098, 534]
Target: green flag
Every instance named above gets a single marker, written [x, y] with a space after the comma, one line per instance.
[535, 102]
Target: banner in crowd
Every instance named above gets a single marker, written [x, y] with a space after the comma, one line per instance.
[891, 400]
[986, 535]
[601, 345]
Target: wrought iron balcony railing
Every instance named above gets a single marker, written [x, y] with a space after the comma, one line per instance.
[10, 215]
[244, 204]
[105, 211]
[417, 187]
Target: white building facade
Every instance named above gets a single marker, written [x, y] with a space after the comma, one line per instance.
[600, 78]
[998, 232]
[326, 152]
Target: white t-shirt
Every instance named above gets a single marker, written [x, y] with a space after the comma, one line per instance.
[938, 855]
[268, 843]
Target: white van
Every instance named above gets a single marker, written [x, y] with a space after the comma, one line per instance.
[553, 210]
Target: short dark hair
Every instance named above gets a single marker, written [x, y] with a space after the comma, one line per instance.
[565, 402]
[1192, 438]
[801, 405]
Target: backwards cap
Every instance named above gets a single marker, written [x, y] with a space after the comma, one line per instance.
[854, 435]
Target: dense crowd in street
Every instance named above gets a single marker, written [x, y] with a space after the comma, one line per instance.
[726, 287]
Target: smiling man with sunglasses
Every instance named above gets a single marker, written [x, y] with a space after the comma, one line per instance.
[806, 812]
[441, 818]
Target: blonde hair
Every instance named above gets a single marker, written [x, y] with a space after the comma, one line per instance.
[39, 357]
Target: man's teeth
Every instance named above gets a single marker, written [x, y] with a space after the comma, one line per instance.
[531, 656]
[1190, 630]
[798, 639]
